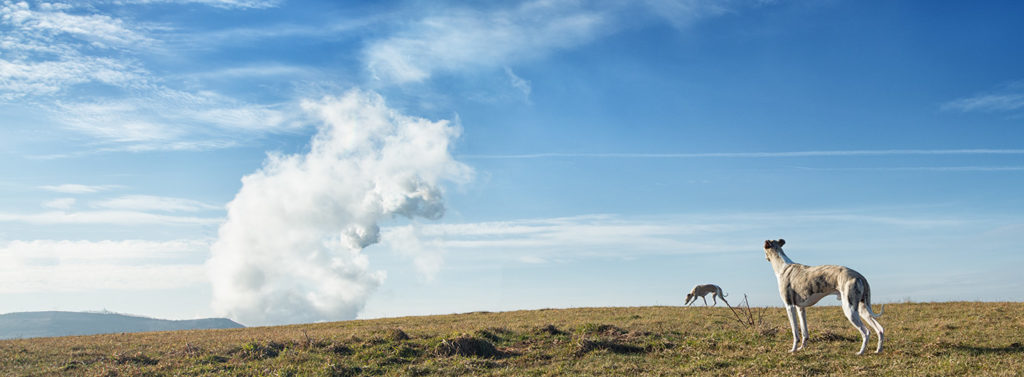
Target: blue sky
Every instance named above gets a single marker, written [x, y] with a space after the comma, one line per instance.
[282, 162]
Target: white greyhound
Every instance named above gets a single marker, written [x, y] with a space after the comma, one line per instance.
[801, 286]
[702, 290]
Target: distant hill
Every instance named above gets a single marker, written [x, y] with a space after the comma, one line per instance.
[42, 324]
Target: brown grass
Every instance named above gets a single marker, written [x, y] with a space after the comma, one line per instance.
[923, 339]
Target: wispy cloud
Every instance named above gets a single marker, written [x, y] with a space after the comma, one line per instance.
[100, 277]
[60, 203]
[683, 13]
[134, 218]
[167, 119]
[256, 4]
[566, 239]
[927, 168]
[1008, 98]
[464, 38]
[45, 50]
[154, 203]
[74, 188]
[50, 50]
[78, 265]
[51, 252]
[50, 21]
[519, 84]
[823, 153]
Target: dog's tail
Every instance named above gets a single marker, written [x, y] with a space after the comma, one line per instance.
[866, 301]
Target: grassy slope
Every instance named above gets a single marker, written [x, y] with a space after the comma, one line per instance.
[923, 339]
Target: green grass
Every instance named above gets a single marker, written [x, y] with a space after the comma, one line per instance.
[923, 339]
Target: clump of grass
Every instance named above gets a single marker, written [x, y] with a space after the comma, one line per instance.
[397, 335]
[72, 365]
[256, 350]
[211, 359]
[829, 336]
[583, 345]
[468, 346]
[339, 349]
[600, 329]
[550, 330]
[133, 358]
[493, 334]
[342, 370]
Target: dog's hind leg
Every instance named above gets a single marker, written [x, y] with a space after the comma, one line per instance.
[850, 312]
[791, 312]
[713, 301]
[866, 315]
[802, 316]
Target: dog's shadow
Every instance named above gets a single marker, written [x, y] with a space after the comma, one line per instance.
[829, 336]
[1014, 348]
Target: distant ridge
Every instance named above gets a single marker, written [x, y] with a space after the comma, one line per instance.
[55, 323]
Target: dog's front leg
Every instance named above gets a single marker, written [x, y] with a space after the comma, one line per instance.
[802, 316]
[791, 312]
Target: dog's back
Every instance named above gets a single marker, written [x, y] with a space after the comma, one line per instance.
[804, 285]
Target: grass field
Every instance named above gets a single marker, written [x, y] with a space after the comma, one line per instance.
[960, 338]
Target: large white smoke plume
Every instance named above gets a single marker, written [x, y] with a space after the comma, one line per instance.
[291, 248]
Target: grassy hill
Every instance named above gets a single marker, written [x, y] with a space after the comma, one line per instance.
[923, 339]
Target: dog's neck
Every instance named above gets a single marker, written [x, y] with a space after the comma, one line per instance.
[779, 261]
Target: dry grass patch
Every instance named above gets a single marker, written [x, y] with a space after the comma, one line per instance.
[922, 339]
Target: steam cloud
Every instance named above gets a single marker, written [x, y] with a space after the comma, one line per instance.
[291, 248]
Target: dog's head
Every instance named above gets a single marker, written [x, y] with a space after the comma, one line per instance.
[773, 247]
[689, 296]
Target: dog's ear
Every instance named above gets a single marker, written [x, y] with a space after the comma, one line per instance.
[767, 244]
[781, 242]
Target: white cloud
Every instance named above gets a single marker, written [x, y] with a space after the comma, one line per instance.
[74, 188]
[50, 50]
[105, 217]
[832, 153]
[561, 240]
[45, 50]
[167, 119]
[683, 13]
[48, 22]
[291, 248]
[987, 103]
[518, 83]
[60, 203]
[461, 39]
[154, 203]
[91, 278]
[256, 4]
[18, 79]
[409, 242]
[1008, 98]
[541, 240]
[41, 266]
[51, 252]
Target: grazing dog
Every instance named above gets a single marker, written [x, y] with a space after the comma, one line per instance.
[702, 290]
[801, 286]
